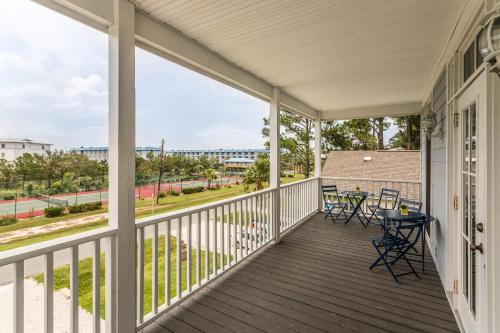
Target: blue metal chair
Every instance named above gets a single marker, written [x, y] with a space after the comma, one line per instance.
[388, 196]
[394, 246]
[413, 206]
[330, 192]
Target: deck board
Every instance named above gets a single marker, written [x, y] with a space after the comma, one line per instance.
[315, 280]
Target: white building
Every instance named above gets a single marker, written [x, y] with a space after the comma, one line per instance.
[10, 149]
[101, 153]
[220, 154]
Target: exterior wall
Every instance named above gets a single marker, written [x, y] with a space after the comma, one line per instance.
[438, 189]
[220, 154]
[102, 154]
[12, 149]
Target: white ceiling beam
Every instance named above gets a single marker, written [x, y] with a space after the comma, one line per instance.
[373, 111]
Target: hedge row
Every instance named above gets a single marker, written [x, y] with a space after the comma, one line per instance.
[85, 207]
[7, 220]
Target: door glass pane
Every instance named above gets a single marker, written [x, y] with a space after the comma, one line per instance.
[465, 270]
[473, 138]
[473, 241]
[465, 139]
[465, 212]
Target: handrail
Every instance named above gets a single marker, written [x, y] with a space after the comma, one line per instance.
[150, 220]
[38, 249]
[299, 182]
[373, 179]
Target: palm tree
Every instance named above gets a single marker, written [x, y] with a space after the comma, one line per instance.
[209, 174]
[257, 174]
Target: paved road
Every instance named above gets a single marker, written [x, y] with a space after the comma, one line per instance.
[35, 265]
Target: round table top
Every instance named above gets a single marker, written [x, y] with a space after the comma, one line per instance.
[395, 214]
[357, 194]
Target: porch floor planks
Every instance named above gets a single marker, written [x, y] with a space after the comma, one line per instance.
[315, 280]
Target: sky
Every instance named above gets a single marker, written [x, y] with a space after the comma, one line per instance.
[53, 88]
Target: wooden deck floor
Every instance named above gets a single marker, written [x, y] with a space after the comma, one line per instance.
[315, 280]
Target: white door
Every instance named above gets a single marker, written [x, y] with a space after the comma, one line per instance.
[471, 180]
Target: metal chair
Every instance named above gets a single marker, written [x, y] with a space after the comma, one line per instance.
[392, 247]
[388, 195]
[413, 206]
[330, 191]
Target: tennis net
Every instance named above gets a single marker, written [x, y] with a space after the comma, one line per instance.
[51, 200]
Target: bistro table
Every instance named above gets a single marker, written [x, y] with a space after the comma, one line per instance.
[356, 199]
[394, 215]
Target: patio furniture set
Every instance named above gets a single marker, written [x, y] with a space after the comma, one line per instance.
[401, 222]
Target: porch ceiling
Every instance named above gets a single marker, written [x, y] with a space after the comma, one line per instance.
[332, 55]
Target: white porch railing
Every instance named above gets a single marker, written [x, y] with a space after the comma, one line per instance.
[210, 239]
[179, 252]
[408, 189]
[298, 201]
[18, 257]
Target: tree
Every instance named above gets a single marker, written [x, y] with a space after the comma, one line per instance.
[209, 174]
[379, 125]
[408, 134]
[360, 131]
[257, 173]
[295, 139]
[335, 136]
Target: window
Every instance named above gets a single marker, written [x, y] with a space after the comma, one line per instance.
[469, 61]
[24, 146]
[472, 59]
[3, 145]
[43, 147]
[3, 155]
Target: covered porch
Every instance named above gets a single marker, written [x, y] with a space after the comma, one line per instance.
[267, 260]
[315, 280]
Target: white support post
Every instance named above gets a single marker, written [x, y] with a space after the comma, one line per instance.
[122, 167]
[317, 160]
[275, 160]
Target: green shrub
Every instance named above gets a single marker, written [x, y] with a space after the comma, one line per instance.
[7, 220]
[290, 175]
[54, 211]
[162, 195]
[9, 197]
[85, 207]
[174, 193]
[191, 190]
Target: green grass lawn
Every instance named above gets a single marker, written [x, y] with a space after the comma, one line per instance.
[62, 277]
[167, 204]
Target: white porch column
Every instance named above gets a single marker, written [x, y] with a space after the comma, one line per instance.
[122, 170]
[317, 159]
[275, 160]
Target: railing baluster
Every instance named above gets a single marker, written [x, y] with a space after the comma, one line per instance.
[222, 239]
[188, 253]
[230, 222]
[253, 237]
[96, 286]
[198, 249]
[235, 230]
[207, 245]
[168, 263]
[154, 259]
[18, 286]
[74, 290]
[178, 264]
[240, 240]
[247, 234]
[140, 276]
[110, 286]
[48, 288]
[214, 255]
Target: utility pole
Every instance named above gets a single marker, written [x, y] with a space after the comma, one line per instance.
[160, 173]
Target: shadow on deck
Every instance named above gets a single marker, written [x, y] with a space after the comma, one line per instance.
[315, 280]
